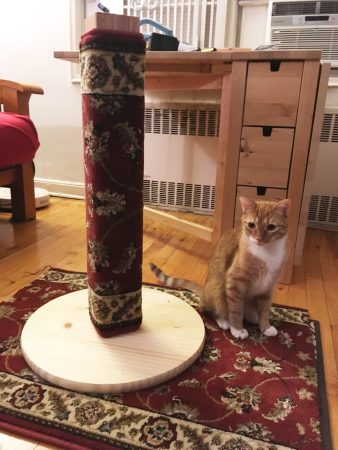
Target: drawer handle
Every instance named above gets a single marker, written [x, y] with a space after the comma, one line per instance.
[275, 66]
[267, 131]
[261, 190]
[244, 147]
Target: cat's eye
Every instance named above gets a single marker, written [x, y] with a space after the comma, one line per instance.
[271, 227]
[251, 225]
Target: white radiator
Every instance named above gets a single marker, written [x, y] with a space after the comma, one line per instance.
[323, 212]
[180, 161]
[180, 156]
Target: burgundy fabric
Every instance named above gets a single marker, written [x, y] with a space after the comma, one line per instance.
[112, 88]
[108, 37]
[18, 139]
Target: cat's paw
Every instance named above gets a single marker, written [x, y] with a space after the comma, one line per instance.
[239, 334]
[270, 331]
[223, 323]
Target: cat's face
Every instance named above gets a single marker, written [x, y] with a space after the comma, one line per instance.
[265, 222]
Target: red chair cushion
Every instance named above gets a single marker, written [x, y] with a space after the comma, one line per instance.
[18, 139]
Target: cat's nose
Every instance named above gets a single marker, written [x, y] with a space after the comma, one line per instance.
[259, 239]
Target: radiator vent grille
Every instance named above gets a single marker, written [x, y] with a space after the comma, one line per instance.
[308, 38]
[184, 122]
[330, 128]
[328, 7]
[205, 122]
[179, 196]
[293, 8]
[323, 212]
[335, 129]
[303, 8]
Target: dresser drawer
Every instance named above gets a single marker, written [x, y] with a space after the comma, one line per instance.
[256, 194]
[272, 93]
[265, 156]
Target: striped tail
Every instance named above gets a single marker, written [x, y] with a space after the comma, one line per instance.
[175, 282]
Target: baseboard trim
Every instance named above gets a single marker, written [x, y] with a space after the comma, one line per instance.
[57, 188]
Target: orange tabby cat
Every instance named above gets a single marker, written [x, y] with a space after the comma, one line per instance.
[244, 269]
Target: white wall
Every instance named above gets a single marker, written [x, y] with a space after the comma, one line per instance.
[252, 26]
[30, 31]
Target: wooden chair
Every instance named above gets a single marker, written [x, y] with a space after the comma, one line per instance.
[14, 97]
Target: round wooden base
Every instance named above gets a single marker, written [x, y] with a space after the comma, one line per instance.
[60, 343]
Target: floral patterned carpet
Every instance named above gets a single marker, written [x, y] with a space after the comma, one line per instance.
[258, 394]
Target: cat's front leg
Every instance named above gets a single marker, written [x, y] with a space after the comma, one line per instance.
[264, 310]
[235, 302]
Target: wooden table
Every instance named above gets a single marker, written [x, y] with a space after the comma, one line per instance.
[271, 109]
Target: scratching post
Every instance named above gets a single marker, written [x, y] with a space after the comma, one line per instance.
[112, 85]
[59, 341]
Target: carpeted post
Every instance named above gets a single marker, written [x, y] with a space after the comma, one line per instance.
[112, 83]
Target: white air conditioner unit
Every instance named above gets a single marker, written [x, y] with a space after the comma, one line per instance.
[304, 25]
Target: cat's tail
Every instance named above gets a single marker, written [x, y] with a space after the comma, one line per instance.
[175, 282]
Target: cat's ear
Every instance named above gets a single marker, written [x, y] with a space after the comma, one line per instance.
[283, 207]
[247, 204]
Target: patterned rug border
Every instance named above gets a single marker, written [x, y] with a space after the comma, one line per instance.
[323, 402]
[80, 440]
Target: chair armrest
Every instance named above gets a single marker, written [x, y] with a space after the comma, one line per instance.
[20, 87]
[32, 89]
[15, 96]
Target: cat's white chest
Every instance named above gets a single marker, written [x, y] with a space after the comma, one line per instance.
[273, 256]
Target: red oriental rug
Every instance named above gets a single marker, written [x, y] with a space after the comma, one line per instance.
[258, 394]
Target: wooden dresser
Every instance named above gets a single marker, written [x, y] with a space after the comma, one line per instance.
[275, 105]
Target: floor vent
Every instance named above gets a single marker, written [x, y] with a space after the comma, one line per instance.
[179, 196]
[323, 212]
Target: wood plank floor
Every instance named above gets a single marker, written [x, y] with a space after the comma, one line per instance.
[57, 239]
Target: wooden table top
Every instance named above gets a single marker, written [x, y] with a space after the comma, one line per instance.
[212, 57]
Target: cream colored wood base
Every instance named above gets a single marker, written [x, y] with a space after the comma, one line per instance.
[60, 343]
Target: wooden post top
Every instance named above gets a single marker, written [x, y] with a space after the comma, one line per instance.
[117, 22]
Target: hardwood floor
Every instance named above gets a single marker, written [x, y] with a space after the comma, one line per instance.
[57, 239]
